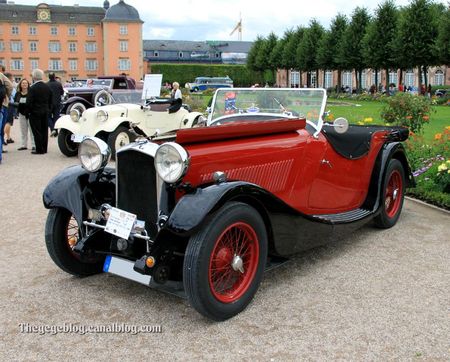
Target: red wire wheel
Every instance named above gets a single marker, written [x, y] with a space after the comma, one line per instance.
[234, 262]
[393, 193]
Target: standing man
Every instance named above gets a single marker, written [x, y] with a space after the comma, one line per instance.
[5, 92]
[39, 103]
[57, 92]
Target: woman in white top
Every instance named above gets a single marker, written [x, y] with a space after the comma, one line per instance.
[176, 98]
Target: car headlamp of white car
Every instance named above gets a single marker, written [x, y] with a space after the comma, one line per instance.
[75, 115]
[171, 162]
[93, 154]
[102, 115]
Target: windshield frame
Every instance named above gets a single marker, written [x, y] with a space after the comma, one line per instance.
[317, 125]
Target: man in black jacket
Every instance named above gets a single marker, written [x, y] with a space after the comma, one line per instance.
[57, 92]
[39, 103]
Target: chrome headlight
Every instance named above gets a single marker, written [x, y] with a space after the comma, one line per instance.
[171, 162]
[75, 115]
[94, 154]
[102, 115]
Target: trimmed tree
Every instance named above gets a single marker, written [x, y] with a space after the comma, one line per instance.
[290, 50]
[252, 56]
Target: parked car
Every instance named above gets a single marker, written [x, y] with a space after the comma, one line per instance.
[94, 92]
[120, 124]
[440, 92]
[202, 212]
[203, 83]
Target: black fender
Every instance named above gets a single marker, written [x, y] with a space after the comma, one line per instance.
[388, 151]
[72, 189]
[75, 99]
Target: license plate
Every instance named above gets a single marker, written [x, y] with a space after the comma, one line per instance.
[124, 269]
[77, 138]
[120, 223]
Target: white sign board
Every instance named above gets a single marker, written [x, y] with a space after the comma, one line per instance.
[152, 86]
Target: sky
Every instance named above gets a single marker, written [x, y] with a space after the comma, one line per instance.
[215, 19]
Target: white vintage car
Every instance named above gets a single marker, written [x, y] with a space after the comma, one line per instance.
[120, 124]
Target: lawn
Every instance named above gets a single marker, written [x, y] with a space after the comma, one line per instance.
[356, 111]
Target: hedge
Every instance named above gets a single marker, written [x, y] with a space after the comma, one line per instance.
[184, 73]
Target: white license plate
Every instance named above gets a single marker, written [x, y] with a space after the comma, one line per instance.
[124, 269]
[120, 223]
[77, 138]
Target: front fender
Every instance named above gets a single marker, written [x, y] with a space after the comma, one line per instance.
[191, 117]
[111, 124]
[68, 189]
[67, 123]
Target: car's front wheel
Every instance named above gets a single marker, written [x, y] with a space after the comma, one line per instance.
[225, 261]
[119, 138]
[80, 107]
[65, 143]
[62, 232]
[393, 195]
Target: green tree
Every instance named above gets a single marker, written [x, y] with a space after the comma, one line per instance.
[252, 56]
[442, 48]
[307, 50]
[329, 45]
[416, 40]
[268, 54]
[351, 53]
[276, 58]
[290, 50]
[379, 42]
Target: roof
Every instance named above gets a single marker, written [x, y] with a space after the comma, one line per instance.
[198, 46]
[59, 14]
[122, 12]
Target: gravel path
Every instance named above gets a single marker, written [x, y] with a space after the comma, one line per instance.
[377, 295]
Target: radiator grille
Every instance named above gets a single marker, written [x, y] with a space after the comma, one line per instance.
[136, 187]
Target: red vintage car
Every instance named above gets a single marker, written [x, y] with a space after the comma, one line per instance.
[203, 212]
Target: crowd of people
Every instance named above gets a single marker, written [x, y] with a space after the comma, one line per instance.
[35, 105]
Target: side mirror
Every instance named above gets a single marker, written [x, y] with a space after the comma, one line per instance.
[340, 125]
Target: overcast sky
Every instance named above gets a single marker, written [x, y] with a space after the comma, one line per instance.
[215, 19]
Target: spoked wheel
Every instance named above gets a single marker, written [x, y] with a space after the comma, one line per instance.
[225, 260]
[61, 235]
[394, 194]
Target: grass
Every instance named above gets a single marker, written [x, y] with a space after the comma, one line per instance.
[356, 111]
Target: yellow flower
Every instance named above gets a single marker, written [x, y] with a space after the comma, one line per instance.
[438, 136]
[442, 167]
[361, 123]
[447, 128]
[368, 120]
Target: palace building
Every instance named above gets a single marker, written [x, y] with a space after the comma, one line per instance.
[71, 41]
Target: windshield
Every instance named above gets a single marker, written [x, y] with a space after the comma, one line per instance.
[284, 102]
[127, 96]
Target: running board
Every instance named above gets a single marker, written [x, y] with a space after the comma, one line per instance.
[344, 217]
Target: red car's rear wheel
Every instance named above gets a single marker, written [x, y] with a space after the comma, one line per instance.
[393, 195]
[225, 261]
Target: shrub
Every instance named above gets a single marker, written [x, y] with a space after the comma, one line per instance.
[405, 109]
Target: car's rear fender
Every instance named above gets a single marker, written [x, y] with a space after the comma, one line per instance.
[67, 123]
[189, 119]
[76, 190]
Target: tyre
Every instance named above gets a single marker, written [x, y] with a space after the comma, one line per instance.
[65, 143]
[225, 260]
[61, 235]
[393, 195]
[102, 98]
[120, 137]
[80, 107]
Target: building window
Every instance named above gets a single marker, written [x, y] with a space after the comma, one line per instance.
[217, 55]
[16, 46]
[91, 64]
[294, 80]
[439, 77]
[363, 80]
[72, 31]
[90, 31]
[53, 30]
[73, 64]
[378, 76]
[180, 55]
[2, 46]
[347, 80]
[156, 54]
[34, 63]
[90, 47]
[54, 46]
[33, 46]
[124, 64]
[16, 64]
[72, 47]
[393, 77]
[55, 64]
[32, 30]
[14, 30]
[123, 45]
[409, 78]
[328, 79]
[123, 29]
